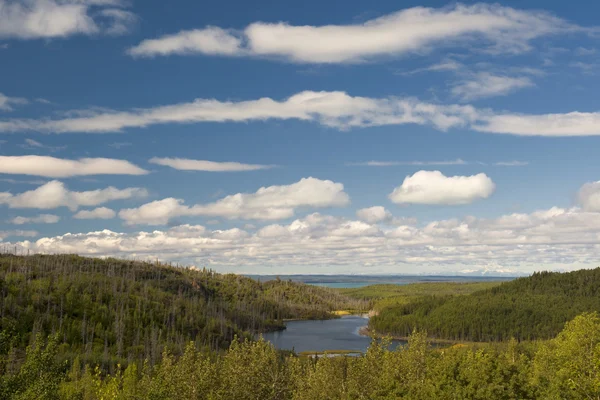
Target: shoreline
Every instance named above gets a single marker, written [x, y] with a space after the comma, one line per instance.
[365, 331]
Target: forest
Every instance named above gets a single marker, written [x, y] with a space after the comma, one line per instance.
[108, 311]
[529, 308]
[79, 328]
[567, 367]
[385, 295]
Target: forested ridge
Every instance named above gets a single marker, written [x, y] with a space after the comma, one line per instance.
[534, 307]
[108, 311]
[567, 367]
[75, 328]
[384, 295]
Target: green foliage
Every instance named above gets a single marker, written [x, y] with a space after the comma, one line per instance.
[569, 366]
[40, 375]
[110, 312]
[536, 307]
[108, 293]
[382, 296]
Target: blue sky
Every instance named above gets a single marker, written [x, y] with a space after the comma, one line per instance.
[337, 137]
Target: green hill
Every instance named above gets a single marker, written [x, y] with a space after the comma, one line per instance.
[535, 307]
[109, 311]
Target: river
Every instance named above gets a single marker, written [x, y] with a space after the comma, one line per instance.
[331, 335]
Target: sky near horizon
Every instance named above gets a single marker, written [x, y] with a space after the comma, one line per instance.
[310, 137]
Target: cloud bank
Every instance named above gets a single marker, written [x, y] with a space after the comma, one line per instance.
[337, 110]
[496, 28]
[267, 203]
[551, 237]
[55, 194]
[40, 219]
[61, 168]
[96, 213]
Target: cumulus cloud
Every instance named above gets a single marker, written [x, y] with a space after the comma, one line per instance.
[267, 203]
[589, 196]
[8, 103]
[96, 213]
[485, 84]
[553, 237]
[209, 166]
[40, 219]
[55, 194]
[62, 168]
[412, 30]
[337, 110]
[45, 19]
[433, 187]
[374, 215]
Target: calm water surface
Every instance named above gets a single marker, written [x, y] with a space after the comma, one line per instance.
[333, 334]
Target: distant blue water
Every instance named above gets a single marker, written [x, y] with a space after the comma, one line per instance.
[356, 281]
[332, 334]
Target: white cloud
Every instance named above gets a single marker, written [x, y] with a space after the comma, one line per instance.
[203, 165]
[44, 19]
[332, 109]
[211, 40]
[54, 194]
[61, 168]
[568, 124]
[433, 187]
[267, 203]
[589, 196]
[485, 84]
[97, 213]
[40, 219]
[18, 233]
[412, 30]
[7, 103]
[523, 242]
[374, 215]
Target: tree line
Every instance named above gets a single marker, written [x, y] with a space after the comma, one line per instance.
[529, 308]
[109, 311]
[567, 367]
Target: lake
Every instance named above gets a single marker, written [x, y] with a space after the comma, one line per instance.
[333, 334]
[356, 281]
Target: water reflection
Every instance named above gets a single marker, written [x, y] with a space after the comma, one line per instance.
[329, 335]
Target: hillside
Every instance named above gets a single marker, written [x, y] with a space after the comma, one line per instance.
[535, 307]
[111, 310]
[386, 295]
